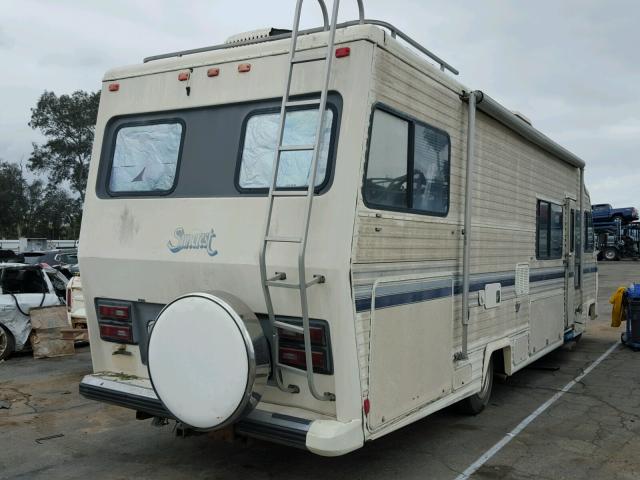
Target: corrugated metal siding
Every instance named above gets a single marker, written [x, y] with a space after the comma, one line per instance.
[510, 174]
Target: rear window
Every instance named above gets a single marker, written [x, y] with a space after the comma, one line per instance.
[145, 157]
[261, 138]
[68, 258]
[215, 151]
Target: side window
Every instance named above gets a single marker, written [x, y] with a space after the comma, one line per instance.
[430, 170]
[549, 228]
[19, 280]
[386, 181]
[261, 138]
[408, 166]
[588, 232]
[572, 231]
[555, 247]
[145, 158]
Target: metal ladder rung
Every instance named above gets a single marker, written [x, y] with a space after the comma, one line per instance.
[302, 103]
[289, 193]
[275, 283]
[277, 238]
[292, 369]
[288, 326]
[296, 148]
[300, 58]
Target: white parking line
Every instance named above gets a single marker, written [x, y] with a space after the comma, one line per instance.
[523, 424]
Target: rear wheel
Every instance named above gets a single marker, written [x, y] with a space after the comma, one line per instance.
[475, 404]
[610, 254]
[7, 344]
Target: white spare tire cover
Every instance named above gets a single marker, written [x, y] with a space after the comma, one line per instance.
[208, 359]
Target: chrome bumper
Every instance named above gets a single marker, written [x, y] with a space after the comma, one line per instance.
[136, 395]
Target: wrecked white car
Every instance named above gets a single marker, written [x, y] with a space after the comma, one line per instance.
[23, 287]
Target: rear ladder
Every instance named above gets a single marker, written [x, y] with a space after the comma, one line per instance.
[278, 279]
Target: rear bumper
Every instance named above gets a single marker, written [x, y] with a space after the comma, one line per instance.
[324, 437]
[123, 393]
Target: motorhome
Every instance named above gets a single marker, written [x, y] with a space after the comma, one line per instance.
[316, 237]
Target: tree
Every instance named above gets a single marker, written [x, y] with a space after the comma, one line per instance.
[51, 212]
[68, 123]
[34, 209]
[13, 201]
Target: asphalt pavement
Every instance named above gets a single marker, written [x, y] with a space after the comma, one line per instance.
[592, 431]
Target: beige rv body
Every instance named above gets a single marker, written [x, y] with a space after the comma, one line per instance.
[397, 351]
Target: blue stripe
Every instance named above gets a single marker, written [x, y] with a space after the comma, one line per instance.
[541, 277]
[404, 298]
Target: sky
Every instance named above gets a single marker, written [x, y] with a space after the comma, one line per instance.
[570, 66]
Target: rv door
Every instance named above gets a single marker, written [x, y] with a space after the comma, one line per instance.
[570, 249]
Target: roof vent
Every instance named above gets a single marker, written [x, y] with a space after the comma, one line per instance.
[255, 35]
[522, 117]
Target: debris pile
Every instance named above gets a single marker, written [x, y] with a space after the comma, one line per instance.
[47, 325]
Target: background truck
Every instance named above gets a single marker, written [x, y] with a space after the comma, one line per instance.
[604, 212]
[616, 240]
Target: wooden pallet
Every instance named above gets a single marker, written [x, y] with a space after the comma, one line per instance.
[46, 337]
[75, 334]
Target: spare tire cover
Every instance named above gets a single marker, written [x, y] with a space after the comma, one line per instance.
[208, 359]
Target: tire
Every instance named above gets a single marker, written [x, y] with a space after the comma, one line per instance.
[610, 254]
[7, 343]
[476, 403]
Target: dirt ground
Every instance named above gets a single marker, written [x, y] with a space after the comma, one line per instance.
[592, 432]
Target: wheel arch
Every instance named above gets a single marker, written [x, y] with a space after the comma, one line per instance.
[502, 351]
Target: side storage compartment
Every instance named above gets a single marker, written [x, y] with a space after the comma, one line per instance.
[411, 341]
[546, 322]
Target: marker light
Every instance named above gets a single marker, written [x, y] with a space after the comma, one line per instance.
[343, 52]
[244, 67]
[213, 72]
[183, 76]
[114, 87]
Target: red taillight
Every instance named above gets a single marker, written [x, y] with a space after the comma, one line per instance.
[213, 72]
[291, 348]
[69, 299]
[117, 333]
[244, 67]
[114, 87]
[114, 321]
[316, 335]
[114, 312]
[343, 52]
[366, 406]
[295, 357]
